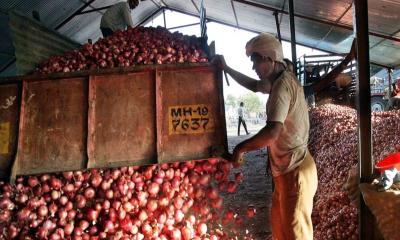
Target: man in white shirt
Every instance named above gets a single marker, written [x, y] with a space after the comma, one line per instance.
[241, 118]
[117, 17]
[286, 136]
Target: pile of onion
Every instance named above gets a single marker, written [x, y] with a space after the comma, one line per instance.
[134, 46]
[334, 145]
[167, 201]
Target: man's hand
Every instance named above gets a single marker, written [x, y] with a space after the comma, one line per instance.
[351, 186]
[238, 153]
[219, 61]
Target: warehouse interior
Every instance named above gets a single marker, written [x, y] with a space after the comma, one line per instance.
[157, 177]
[322, 25]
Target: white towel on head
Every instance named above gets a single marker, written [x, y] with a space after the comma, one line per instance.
[266, 45]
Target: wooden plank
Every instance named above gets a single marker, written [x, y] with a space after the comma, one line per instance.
[122, 120]
[190, 118]
[53, 127]
[114, 119]
[9, 114]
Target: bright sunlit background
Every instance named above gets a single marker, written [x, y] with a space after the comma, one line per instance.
[230, 42]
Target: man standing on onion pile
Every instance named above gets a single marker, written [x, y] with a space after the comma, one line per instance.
[286, 136]
[117, 17]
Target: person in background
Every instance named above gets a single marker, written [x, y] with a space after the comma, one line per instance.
[241, 118]
[286, 136]
[336, 74]
[117, 17]
[319, 84]
[395, 90]
[394, 99]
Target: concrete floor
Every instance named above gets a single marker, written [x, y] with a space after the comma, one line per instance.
[256, 189]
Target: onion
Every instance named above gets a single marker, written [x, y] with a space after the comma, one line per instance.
[62, 214]
[109, 226]
[178, 202]
[146, 202]
[147, 230]
[80, 201]
[96, 180]
[231, 187]
[68, 175]
[175, 234]
[239, 177]
[106, 204]
[201, 229]
[93, 230]
[212, 193]
[187, 233]
[33, 181]
[153, 189]
[69, 188]
[6, 204]
[43, 211]
[89, 193]
[71, 214]
[92, 215]
[128, 207]
[238, 220]
[121, 213]
[152, 205]
[68, 206]
[83, 224]
[110, 194]
[23, 214]
[55, 195]
[179, 215]
[251, 211]
[5, 216]
[126, 224]
[142, 215]
[55, 183]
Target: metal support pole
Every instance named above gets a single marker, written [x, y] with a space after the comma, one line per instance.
[74, 14]
[165, 20]
[292, 35]
[94, 10]
[366, 227]
[278, 28]
[389, 71]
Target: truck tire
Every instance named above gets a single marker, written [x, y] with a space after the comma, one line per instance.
[377, 104]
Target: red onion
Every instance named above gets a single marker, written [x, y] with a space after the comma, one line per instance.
[5, 216]
[89, 193]
[6, 204]
[80, 201]
[33, 181]
[43, 211]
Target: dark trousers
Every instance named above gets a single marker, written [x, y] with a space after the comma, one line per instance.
[241, 121]
[106, 32]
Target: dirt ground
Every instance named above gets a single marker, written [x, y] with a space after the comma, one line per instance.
[255, 189]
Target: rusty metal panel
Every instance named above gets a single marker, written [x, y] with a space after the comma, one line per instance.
[190, 117]
[53, 126]
[34, 42]
[122, 128]
[9, 114]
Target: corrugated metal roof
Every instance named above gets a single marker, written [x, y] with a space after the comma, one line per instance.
[314, 20]
[35, 43]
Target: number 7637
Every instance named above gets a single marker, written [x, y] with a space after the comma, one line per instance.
[192, 123]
